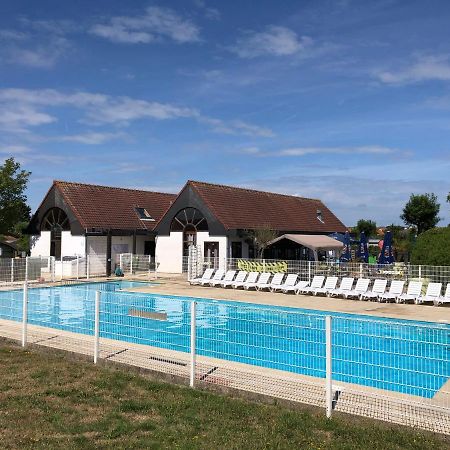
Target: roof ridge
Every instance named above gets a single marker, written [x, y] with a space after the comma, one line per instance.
[111, 187]
[252, 190]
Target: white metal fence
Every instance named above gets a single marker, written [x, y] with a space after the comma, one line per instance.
[131, 264]
[307, 269]
[393, 370]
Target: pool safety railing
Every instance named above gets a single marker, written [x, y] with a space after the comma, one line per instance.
[393, 370]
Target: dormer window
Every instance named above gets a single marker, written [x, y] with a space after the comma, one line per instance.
[144, 215]
[319, 216]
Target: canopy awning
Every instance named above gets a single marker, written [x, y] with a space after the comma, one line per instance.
[314, 242]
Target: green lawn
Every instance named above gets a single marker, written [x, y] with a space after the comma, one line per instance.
[50, 401]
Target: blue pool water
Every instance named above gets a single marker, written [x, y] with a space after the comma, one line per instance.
[405, 356]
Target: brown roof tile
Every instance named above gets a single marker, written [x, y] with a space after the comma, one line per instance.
[113, 208]
[239, 208]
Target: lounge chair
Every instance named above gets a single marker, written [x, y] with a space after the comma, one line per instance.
[395, 289]
[378, 288]
[346, 286]
[277, 280]
[316, 283]
[252, 277]
[262, 280]
[218, 276]
[330, 283]
[443, 298]
[290, 281]
[228, 277]
[207, 274]
[300, 285]
[361, 287]
[432, 294]
[240, 277]
[413, 291]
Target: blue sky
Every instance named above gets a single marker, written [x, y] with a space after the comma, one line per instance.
[346, 101]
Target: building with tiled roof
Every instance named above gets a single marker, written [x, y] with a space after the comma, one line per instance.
[103, 222]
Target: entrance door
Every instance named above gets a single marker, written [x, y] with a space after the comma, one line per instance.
[211, 253]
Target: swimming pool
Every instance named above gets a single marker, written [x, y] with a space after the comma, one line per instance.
[398, 355]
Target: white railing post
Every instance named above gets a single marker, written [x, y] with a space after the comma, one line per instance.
[328, 370]
[26, 269]
[420, 272]
[78, 267]
[309, 271]
[131, 264]
[24, 314]
[12, 270]
[193, 344]
[96, 326]
[120, 262]
[88, 261]
[360, 270]
[149, 265]
[51, 261]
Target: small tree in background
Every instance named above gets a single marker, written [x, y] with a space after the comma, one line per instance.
[261, 238]
[432, 247]
[14, 211]
[368, 226]
[421, 211]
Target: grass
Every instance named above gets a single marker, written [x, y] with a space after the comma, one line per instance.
[50, 401]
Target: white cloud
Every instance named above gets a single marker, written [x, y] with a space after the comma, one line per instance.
[90, 138]
[303, 151]
[156, 23]
[13, 150]
[274, 40]
[425, 68]
[24, 108]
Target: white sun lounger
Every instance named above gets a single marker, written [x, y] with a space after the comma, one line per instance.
[290, 281]
[432, 294]
[240, 277]
[252, 277]
[218, 276]
[276, 281]
[207, 274]
[300, 285]
[316, 283]
[443, 298]
[413, 291]
[228, 277]
[330, 283]
[361, 287]
[378, 288]
[262, 280]
[346, 285]
[395, 289]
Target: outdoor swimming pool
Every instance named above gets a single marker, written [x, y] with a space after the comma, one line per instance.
[403, 356]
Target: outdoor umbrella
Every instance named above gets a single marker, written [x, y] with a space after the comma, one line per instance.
[363, 251]
[386, 256]
[346, 252]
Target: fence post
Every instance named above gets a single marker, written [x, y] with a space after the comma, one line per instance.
[52, 267]
[26, 269]
[328, 364]
[12, 270]
[88, 260]
[149, 265]
[24, 314]
[193, 344]
[309, 271]
[360, 270]
[120, 262]
[131, 264]
[96, 326]
[78, 267]
[420, 272]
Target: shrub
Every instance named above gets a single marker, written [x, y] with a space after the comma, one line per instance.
[432, 247]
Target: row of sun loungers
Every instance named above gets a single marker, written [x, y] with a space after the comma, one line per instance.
[281, 282]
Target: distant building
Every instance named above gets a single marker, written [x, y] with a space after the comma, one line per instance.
[8, 247]
[83, 219]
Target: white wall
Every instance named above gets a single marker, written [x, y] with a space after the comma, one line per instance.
[72, 245]
[169, 252]
[203, 236]
[96, 249]
[40, 245]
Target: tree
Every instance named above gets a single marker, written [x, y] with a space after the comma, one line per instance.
[422, 212]
[261, 238]
[368, 226]
[13, 206]
[432, 247]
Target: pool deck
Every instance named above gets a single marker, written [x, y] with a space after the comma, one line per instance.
[176, 285]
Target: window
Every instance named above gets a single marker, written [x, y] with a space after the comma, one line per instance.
[143, 214]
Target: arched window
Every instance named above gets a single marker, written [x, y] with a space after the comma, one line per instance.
[55, 221]
[189, 221]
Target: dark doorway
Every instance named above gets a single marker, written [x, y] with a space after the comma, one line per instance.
[211, 250]
[149, 248]
[236, 249]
